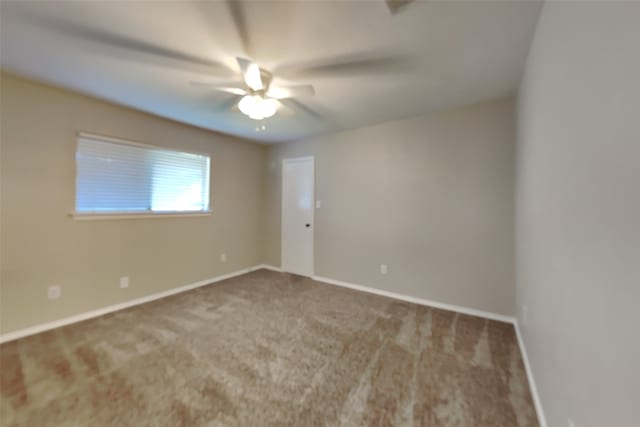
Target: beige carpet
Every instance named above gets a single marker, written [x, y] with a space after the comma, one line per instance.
[269, 349]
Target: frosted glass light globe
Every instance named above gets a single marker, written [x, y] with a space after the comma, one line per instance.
[257, 107]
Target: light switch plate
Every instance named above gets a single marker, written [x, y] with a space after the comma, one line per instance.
[124, 282]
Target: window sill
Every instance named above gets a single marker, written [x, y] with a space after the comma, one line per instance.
[84, 216]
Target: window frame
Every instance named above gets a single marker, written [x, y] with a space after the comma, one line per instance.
[134, 214]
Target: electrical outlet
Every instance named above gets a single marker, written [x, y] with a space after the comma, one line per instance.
[223, 257]
[54, 292]
[124, 282]
[383, 268]
[571, 423]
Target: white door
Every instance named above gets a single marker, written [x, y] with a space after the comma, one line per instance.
[298, 179]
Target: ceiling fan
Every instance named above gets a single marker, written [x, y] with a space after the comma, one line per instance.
[259, 100]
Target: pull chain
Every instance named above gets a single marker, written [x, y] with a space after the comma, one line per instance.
[261, 126]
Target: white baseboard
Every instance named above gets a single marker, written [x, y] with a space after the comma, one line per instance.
[532, 383]
[420, 301]
[10, 336]
[460, 309]
[269, 267]
[402, 297]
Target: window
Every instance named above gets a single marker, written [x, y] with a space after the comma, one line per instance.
[120, 177]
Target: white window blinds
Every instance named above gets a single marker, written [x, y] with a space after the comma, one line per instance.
[114, 176]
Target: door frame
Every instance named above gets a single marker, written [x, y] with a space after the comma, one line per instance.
[313, 210]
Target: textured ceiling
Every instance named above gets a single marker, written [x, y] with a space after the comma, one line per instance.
[435, 54]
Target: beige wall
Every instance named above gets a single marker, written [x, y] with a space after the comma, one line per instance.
[42, 246]
[578, 212]
[431, 197]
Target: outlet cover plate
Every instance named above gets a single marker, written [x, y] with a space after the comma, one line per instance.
[54, 292]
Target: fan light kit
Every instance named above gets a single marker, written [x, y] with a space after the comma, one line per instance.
[259, 100]
[257, 107]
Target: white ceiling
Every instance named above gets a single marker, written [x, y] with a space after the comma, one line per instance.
[447, 53]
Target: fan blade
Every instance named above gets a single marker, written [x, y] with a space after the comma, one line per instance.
[396, 6]
[297, 105]
[220, 104]
[251, 73]
[124, 43]
[228, 104]
[222, 88]
[239, 18]
[291, 91]
[360, 63]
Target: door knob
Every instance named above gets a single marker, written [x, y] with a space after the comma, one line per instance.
[307, 225]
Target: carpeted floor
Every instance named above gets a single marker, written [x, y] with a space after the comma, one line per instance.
[269, 349]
